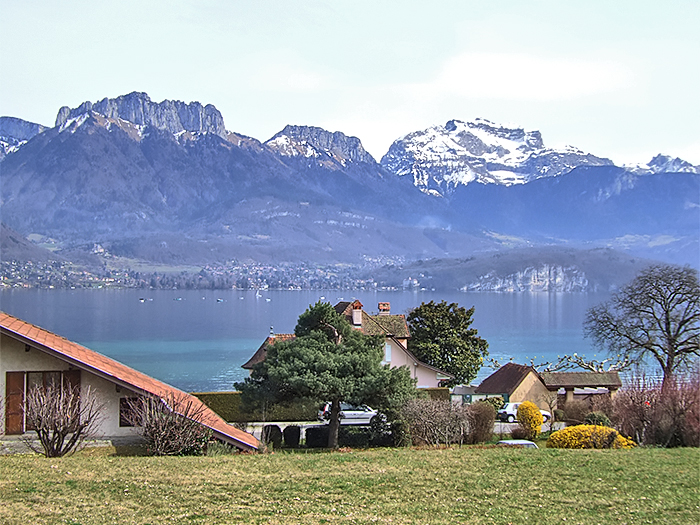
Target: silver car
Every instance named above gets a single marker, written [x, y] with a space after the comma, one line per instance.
[349, 414]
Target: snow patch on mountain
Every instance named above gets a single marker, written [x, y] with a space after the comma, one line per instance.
[664, 164]
[441, 158]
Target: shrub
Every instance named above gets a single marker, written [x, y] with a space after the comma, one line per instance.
[482, 416]
[433, 422]
[171, 426]
[272, 435]
[559, 414]
[660, 414]
[597, 418]
[520, 432]
[292, 436]
[530, 418]
[576, 411]
[437, 393]
[356, 437]
[497, 402]
[62, 417]
[589, 436]
[317, 437]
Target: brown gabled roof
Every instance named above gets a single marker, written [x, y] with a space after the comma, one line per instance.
[504, 380]
[120, 374]
[556, 380]
[261, 353]
[382, 324]
[386, 324]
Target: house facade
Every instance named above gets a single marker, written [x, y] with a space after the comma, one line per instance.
[515, 383]
[396, 334]
[30, 356]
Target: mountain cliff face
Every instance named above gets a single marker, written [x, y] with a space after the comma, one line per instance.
[441, 158]
[319, 145]
[170, 115]
[15, 132]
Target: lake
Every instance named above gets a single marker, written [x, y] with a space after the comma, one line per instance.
[197, 340]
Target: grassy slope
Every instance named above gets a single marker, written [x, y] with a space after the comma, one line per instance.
[468, 485]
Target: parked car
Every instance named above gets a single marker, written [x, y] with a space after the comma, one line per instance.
[349, 414]
[518, 443]
[509, 413]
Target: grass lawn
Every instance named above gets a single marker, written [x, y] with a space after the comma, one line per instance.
[465, 486]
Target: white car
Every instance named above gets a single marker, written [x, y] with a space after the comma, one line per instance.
[349, 414]
[509, 413]
[523, 443]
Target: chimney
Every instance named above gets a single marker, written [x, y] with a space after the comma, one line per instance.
[384, 308]
[357, 313]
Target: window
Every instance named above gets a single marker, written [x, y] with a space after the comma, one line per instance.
[18, 383]
[126, 411]
[387, 353]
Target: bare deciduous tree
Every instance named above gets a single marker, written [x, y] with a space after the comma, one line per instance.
[656, 315]
[63, 418]
[172, 425]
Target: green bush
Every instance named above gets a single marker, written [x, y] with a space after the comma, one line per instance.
[530, 418]
[597, 418]
[228, 405]
[356, 437]
[292, 435]
[317, 437]
[437, 393]
[272, 435]
[559, 415]
[497, 402]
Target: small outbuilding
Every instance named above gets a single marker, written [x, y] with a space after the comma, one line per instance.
[582, 384]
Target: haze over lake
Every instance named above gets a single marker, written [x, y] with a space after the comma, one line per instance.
[197, 340]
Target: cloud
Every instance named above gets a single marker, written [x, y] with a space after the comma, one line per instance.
[516, 76]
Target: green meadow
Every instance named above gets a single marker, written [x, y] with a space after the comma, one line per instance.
[469, 485]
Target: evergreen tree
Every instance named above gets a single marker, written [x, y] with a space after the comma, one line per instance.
[441, 336]
[328, 362]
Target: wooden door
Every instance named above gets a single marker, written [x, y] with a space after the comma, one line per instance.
[14, 403]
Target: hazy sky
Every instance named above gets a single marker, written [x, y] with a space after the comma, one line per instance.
[619, 78]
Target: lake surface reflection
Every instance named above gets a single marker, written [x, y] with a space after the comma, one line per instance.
[197, 340]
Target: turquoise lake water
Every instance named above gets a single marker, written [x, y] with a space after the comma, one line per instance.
[197, 340]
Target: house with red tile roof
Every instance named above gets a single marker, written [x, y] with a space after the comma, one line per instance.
[395, 331]
[30, 354]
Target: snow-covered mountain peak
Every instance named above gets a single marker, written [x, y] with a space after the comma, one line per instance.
[441, 158]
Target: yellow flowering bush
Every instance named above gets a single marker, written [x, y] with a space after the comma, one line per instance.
[589, 436]
[530, 418]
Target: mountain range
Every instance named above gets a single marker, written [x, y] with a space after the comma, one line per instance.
[167, 182]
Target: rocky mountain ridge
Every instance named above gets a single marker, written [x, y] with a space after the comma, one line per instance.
[173, 187]
[138, 108]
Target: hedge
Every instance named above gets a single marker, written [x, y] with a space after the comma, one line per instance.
[228, 406]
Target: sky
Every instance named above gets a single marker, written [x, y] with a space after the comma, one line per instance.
[617, 79]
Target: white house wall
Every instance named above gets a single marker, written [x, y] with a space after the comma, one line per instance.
[14, 358]
[426, 377]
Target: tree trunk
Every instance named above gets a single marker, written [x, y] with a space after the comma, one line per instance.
[334, 424]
